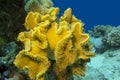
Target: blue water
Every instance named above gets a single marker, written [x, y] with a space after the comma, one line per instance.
[92, 12]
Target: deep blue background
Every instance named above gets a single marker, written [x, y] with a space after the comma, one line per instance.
[92, 12]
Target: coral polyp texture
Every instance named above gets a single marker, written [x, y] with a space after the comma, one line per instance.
[53, 43]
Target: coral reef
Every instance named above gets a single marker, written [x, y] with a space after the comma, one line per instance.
[12, 16]
[100, 30]
[112, 39]
[109, 37]
[52, 43]
[54, 48]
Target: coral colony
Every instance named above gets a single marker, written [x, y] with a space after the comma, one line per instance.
[53, 43]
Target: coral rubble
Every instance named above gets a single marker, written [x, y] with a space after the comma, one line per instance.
[52, 43]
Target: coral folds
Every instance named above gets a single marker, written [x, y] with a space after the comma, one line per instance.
[50, 41]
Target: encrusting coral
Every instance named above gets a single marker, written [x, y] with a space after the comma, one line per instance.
[49, 41]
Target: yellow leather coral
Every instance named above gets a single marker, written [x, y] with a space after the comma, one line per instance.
[60, 44]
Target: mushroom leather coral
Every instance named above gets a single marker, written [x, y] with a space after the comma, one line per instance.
[50, 39]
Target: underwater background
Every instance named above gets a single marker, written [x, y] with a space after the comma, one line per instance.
[98, 20]
[93, 12]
